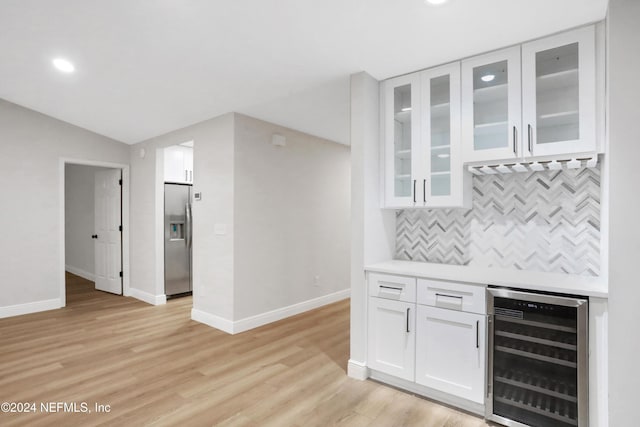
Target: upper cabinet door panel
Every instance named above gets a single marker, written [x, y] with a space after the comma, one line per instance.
[188, 162]
[174, 170]
[402, 133]
[491, 106]
[559, 93]
[441, 183]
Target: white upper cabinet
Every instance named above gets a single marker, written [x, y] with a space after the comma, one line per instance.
[559, 93]
[423, 159]
[538, 99]
[443, 179]
[402, 133]
[178, 164]
[174, 170]
[491, 107]
[188, 162]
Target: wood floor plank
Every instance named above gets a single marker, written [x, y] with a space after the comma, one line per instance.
[155, 366]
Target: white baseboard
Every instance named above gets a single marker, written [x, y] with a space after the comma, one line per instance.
[30, 307]
[291, 310]
[79, 272]
[357, 370]
[235, 327]
[147, 297]
[212, 320]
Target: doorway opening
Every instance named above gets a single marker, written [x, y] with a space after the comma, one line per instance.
[94, 218]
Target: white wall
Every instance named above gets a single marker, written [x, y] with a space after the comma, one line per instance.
[291, 218]
[270, 220]
[213, 176]
[624, 203]
[372, 229]
[79, 219]
[213, 254]
[31, 146]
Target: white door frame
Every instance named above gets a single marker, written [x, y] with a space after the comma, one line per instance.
[125, 220]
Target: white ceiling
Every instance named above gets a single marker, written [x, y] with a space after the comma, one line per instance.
[146, 67]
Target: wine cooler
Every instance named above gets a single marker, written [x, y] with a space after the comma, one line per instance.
[538, 359]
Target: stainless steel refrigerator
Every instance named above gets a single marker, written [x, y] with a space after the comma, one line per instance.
[177, 240]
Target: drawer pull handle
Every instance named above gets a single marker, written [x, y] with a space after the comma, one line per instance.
[391, 287]
[448, 296]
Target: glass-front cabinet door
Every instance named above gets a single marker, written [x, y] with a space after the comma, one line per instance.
[559, 94]
[440, 158]
[402, 136]
[491, 112]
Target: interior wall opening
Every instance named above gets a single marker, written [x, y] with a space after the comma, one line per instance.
[94, 245]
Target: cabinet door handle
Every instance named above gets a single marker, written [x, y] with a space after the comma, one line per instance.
[529, 138]
[477, 334]
[190, 176]
[408, 319]
[515, 141]
[414, 191]
[186, 175]
[424, 190]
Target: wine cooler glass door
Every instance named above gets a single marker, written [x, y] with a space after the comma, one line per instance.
[538, 359]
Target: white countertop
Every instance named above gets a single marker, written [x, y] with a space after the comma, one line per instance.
[533, 280]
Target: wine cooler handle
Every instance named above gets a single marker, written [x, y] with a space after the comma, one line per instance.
[490, 353]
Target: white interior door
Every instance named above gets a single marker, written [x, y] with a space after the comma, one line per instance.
[108, 237]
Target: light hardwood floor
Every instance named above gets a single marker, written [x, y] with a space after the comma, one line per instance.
[155, 366]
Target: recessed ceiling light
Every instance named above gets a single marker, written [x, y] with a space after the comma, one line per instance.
[406, 109]
[436, 2]
[63, 65]
[487, 77]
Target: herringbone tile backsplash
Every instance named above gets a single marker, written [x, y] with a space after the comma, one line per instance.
[543, 221]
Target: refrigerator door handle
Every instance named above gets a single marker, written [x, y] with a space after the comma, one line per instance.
[188, 220]
[186, 223]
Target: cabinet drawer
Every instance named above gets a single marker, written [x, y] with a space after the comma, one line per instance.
[392, 287]
[454, 296]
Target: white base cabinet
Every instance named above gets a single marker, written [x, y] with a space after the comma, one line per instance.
[431, 334]
[450, 352]
[392, 337]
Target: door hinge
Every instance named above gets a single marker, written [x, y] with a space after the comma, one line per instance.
[120, 228]
[120, 182]
[121, 274]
